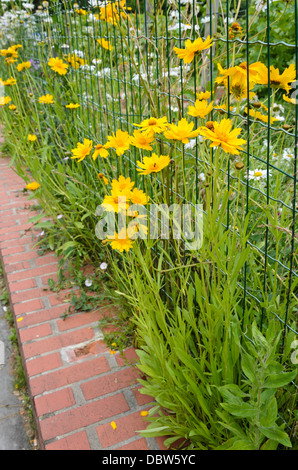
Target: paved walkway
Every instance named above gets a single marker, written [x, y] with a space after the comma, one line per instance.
[77, 387]
[13, 435]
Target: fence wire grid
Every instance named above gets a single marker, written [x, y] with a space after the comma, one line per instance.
[137, 75]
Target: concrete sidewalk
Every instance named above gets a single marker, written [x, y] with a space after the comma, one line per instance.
[12, 431]
[79, 390]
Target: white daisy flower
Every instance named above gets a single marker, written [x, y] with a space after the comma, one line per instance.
[191, 144]
[88, 282]
[288, 155]
[257, 174]
[103, 266]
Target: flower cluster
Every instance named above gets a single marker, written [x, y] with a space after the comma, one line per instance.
[126, 199]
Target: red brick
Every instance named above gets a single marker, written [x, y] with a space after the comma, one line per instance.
[15, 228]
[138, 444]
[42, 316]
[129, 357]
[18, 241]
[27, 307]
[22, 285]
[76, 441]
[68, 375]
[43, 364]
[57, 342]
[54, 401]
[47, 259]
[60, 298]
[80, 319]
[91, 349]
[127, 427]
[11, 221]
[110, 383]
[29, 334]
[12, 268]
[141, 399]
[29, 273]
[85, 415]
[29, 294]
[19, 257]
[12, 251]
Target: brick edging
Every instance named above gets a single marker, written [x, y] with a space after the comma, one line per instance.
[77, 387]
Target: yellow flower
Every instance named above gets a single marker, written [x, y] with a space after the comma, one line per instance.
[200, 109]
[81, 12]
[101, 151]
[32, 137]
[72, 105]
[139, 197]
[12, 107]
[32, 186]
[278, 80]
[235, 78]
[82, 150]
[153, 164]
[260, 116]
[144, 413]
[23, 65]
[111, 14]
[46, 99]
[121, 241]
[117, 201]
[11, 52]
[142, 140]
[191, 48]
[119, 141]
[9, 82]
[204, 95]
[57, 65]
[235, 30]
[114, 425]
[105, 44]
[238, 73]
[222, 136]
[103, 177]
[4, 100]
[122, 184]
[290, 100]
[222, 107]
[153, 125]
[9, 61]
[75, 61]
[182, 132]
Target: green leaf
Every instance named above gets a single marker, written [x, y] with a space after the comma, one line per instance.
[279, 380]
[269, 445]
[36, 218]
[276, 434]
[241, 411]
[45, 224]
[68, 245]
[248, 367]
[51, 242]
[242, 444]
[268, 416]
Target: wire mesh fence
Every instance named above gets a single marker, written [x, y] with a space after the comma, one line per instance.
[134, 74]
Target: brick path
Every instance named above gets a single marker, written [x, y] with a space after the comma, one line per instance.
[77, 387]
